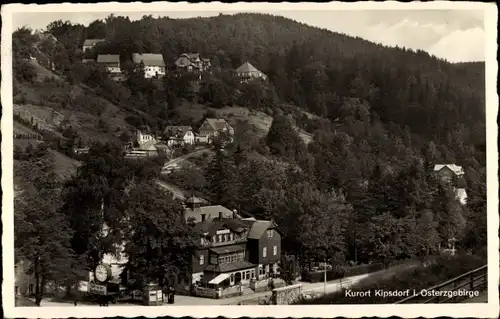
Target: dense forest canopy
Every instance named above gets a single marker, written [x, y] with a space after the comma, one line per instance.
[381, 118]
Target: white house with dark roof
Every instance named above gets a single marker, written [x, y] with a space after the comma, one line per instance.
[111, 62]
[154, 65]
[179, 135]
[247, 72]
[88, 44]
[447, 172]
[191, 62]
[211, 128]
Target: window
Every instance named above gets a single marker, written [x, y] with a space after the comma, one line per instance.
[264, 252]
[269, 233]
[214, 239]
[220, 238]
[202, 259]
[252, 274]
[275, 250]
[221, 260]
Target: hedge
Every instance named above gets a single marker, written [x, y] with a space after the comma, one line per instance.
[420, 277]
[340, 272]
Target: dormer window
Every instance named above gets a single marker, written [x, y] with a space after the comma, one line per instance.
[269, 233]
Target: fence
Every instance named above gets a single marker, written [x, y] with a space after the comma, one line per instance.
[340, 272]
[447, 291]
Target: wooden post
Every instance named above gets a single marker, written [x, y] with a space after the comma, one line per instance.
[471, 284]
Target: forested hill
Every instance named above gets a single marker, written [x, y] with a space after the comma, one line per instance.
[312, 68]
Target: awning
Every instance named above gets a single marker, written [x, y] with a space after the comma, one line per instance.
[220, 278]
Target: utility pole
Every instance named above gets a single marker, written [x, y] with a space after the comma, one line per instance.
[325, 277]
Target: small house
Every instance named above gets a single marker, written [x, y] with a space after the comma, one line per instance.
[154, 65]
[88, 44]
[247, 72]
[111, 62]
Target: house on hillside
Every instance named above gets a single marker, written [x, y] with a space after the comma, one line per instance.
[154, 65]
[143, 139]
[448, 172]
[233, 250]
[88, 44]
[111, 62]
[192, 62]
[247, 72]
[461, 195]
[211, 128]
[179, 135]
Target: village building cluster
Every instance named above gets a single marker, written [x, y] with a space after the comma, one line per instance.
[155, 66]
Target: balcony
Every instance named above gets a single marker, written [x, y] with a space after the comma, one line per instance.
[225, 243]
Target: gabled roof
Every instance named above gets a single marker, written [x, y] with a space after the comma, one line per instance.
[108, 58]
[211, 226]
[259, 227]
[217, 124]
[458, 170]
[91, 42]
[247, 67]
[149, 59]
[191, 56]
[195, 200]
[178, 129]
[209, 211]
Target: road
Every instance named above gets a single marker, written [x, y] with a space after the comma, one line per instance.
[174, 163]
[176, 191]
[307, 288]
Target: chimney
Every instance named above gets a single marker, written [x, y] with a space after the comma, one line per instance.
[220, 215]
[235, 213]
[203, 217]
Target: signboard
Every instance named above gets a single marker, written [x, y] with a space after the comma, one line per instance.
[97, 289]
[223, 231]
[83, 286]
[152, 296]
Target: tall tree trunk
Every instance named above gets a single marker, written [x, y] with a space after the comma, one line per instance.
[38, 290]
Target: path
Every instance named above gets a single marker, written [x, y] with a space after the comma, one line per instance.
[176, 191]
[173, 163]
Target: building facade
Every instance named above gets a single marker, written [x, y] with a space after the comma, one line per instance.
[88, 44]
[154, 65]
[232, 250]
[211, 128]
[247, 72]
[179, 135]
[111, 62]
[192, 62]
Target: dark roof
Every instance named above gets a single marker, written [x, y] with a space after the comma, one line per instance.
[108, 58]
[211, 226]
[149, 59]
[90, 42]
[228, 249]
[209, 211]
[178, 129]
[243, 264]
[259, 227]
[195, 200]
[218, 124]
[192, 56]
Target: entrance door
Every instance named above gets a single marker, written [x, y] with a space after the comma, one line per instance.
[237, 278]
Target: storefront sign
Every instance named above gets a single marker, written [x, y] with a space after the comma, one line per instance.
[97, 289]
[223, 231]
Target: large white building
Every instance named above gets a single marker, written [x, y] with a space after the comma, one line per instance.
[154, 65]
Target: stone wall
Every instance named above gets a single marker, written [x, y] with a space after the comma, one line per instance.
[286, 295]
[263, 285]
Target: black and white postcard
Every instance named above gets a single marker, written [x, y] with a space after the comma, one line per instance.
[263, 159]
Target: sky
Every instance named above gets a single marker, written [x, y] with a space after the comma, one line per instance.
[454, 35]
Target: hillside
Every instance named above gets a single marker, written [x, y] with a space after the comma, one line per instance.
[314, 75]
[362, 189]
